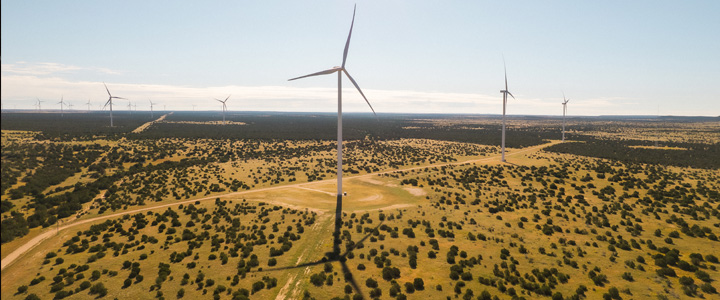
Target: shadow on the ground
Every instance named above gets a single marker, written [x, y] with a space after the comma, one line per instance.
[335, 255]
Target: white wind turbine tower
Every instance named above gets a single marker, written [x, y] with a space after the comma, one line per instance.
[62, 102]
[151, 108]
[71, 105]
[340, 70]
[110, 97]
[130, 107]
[505, 92]
[224, 106]
[564, 104]
[88, 105]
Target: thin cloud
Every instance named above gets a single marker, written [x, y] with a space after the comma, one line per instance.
[44, 69]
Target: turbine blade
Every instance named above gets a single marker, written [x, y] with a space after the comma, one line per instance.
[228, 97]
[347, 43]
[359, 90]
[329, 71]
[506, 87]
[106, 103]
[107, 89]
[505, 69]
[119, 98]
[511, 95]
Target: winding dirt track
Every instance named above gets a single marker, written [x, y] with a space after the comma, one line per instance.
[12, 257]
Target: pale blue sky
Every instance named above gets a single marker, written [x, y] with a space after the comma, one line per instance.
[609, 57]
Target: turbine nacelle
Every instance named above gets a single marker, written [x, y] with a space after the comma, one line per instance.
[508, 93]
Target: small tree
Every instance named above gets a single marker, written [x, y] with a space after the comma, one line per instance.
[409, 288]
[95, 275]
[32, 297]
[98, 289]
[258, 285]
[22, 289]
[371, 283]
[419, 284]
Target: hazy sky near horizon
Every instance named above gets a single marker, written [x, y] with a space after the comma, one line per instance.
[608, 57]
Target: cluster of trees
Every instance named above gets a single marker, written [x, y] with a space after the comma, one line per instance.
[693, 155]
[303, 126]
[85, 126]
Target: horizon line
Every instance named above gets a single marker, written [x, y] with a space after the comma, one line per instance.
[16, 110]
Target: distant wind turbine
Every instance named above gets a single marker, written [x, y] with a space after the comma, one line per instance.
[130, 107]
[151, 108]
[340, 70]
[110, 97]
[62, 102]
[71, 105]
[88, 105]
[224, 106]
[39, 107]
[505, 93]
[564, 104]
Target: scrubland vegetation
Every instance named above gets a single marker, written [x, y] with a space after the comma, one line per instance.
[591, 218]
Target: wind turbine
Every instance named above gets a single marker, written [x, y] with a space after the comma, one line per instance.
[71, 105]
[62, 102]
[88, 105]
[340, 70]
[130, 107]
[505, 93]
[151, 108]
[224, 106]
[39, 107]
[564, 104]
[110, 97]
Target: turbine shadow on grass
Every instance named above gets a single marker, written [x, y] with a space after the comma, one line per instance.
[512, 164]
[335, 255]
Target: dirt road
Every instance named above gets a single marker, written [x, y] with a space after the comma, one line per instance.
[148, 124]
